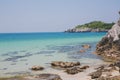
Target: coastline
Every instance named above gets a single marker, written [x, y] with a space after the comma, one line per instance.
[75, 30]
[64, 76]
[25, 59]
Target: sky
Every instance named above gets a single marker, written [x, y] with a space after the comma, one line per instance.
[54, 15]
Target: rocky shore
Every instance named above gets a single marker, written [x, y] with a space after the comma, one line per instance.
[36, 77]
[109, 49]
[72, 71]
[109, 46]
[85, 30]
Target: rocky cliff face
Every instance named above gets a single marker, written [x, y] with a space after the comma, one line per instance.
[109, 46]
[86, 30]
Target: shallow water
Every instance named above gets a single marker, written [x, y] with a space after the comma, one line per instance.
[20, 51]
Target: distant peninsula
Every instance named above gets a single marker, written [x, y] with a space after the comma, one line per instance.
[94, 26]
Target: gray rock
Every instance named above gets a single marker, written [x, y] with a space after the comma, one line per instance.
[85, 29]
[114, 32]
[95, 74]
[109, 78]
[62, 64]
[109, 46]
[37, 68]
[74, 70]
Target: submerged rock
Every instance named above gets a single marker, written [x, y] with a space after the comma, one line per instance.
[86, 46]
[62, 64]
[14, 58]
[109, 46]
[82, 51]
[37, 68]
[47, 77]
[37, 77]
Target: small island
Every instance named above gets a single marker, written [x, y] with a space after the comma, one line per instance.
[94, 26]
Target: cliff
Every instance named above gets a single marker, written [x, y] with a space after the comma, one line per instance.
[109, 46]
[86, 30]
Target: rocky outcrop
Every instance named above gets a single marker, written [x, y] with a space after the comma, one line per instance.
[37, 68]
[62, 64]
[109, 46]
[109, 78]
[75, 70]
[86, 30]
[69, 67]
[107, 72]
[95, 74]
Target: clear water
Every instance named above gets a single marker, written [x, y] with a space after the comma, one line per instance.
[20, 51]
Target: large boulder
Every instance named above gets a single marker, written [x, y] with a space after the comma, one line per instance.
[109, 46]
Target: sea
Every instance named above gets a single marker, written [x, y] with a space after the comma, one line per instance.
[20, 51]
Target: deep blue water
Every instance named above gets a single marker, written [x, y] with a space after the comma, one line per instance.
[47, 35]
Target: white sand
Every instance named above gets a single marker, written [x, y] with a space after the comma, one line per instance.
[80, 76]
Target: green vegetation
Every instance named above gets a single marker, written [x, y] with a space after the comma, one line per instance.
[96, 25]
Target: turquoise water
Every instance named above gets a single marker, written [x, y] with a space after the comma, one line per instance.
[20, 51]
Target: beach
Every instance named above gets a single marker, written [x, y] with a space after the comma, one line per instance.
[59, 40]
[21, 51]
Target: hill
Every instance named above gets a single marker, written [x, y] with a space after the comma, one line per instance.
[94, 26]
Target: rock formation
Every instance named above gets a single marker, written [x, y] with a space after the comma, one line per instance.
[37, 68]
[85, 30]
[86, 46]
[75, 70]
[107, 72]
[109, 78]
[47, 77]
[69, 67]
[37, 77]
[109, 46]
[62, 64]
